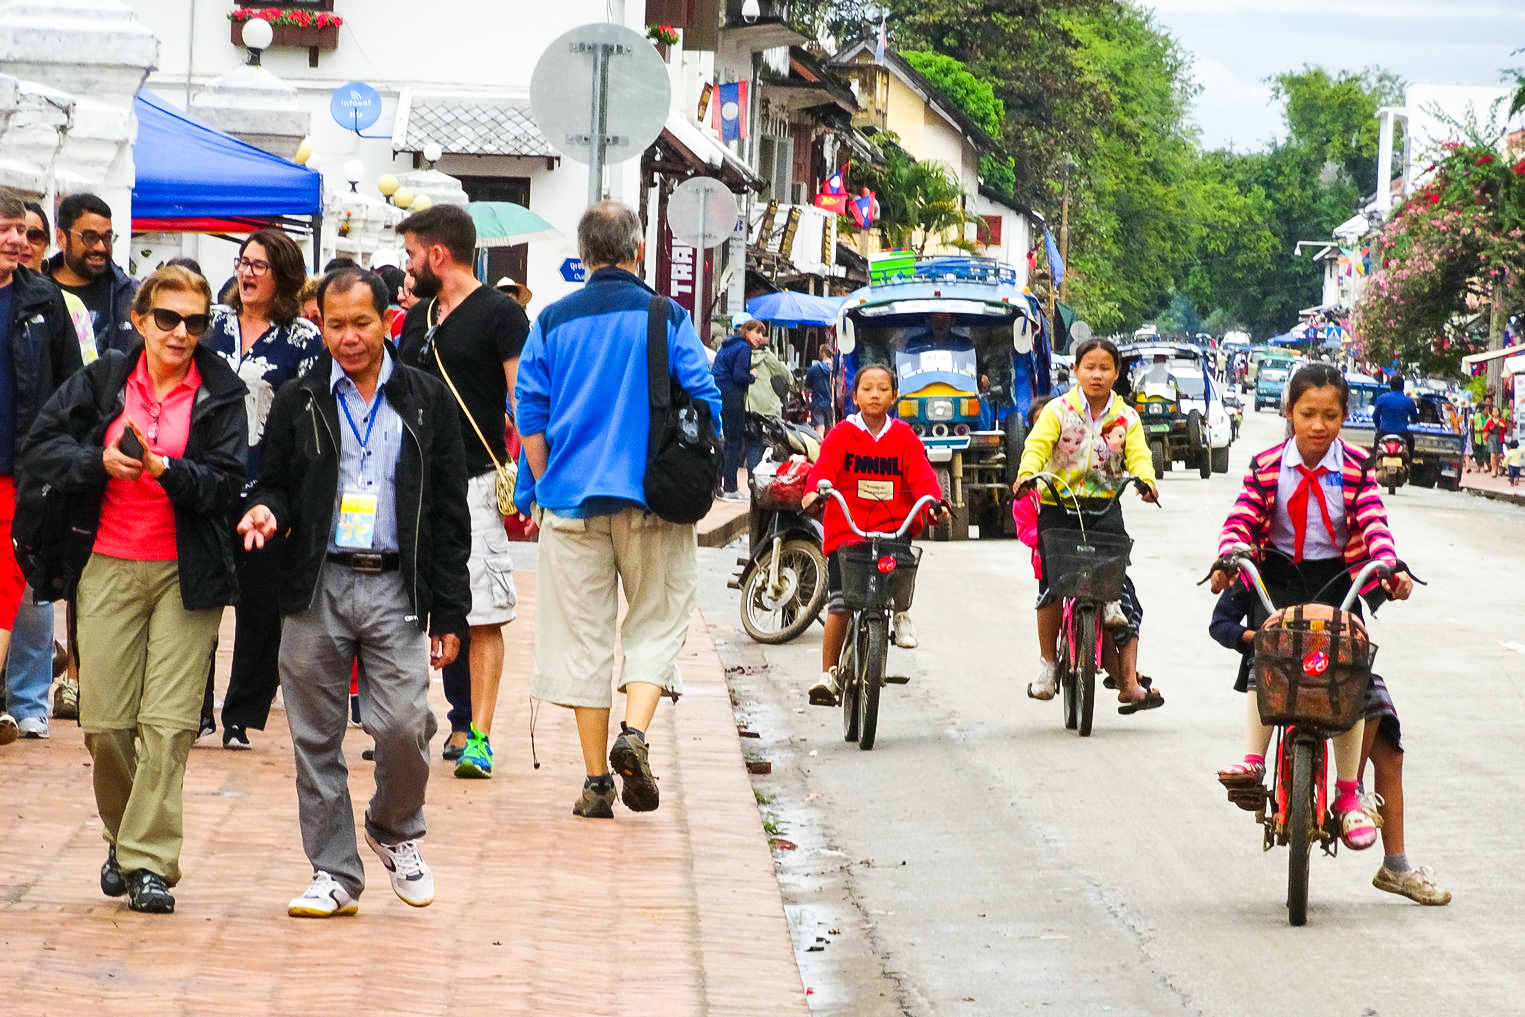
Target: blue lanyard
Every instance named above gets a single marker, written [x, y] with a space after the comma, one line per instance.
[370, 420]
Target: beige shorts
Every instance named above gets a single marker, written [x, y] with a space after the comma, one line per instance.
[492, 568]
[584, 565]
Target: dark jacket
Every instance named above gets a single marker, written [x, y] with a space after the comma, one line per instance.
[64, 447]
[301, 475]
[115, 330]
[733, 365]
[44, 346]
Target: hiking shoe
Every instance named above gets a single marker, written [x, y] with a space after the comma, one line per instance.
[628, 758]
[411, 879]
[476, 758]
[9, 732]
[903, 630]
[66, 700]
[33, 727]
[826, 692]
[235, 737]
[597, 801]
[325, 898]
[113, 883]
[1044, 686]
[1415, 884]
[147, 892]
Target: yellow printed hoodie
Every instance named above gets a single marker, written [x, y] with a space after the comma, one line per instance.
[1091, 455]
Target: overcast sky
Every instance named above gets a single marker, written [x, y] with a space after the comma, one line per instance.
[1237, 44]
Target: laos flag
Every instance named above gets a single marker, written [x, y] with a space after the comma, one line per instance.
[731, 110]
[833, 194]
[864, 208]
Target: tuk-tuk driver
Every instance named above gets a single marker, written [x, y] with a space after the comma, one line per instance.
[939, 335]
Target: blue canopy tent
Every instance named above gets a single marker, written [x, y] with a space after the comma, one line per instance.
[194, 179]
[787, 307]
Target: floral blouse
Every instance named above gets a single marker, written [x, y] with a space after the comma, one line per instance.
[285, 351]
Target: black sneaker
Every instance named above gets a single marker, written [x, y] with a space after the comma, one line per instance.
[597, 801]
[208, 727]
[235, 737]
[148, 893]
[628, 758]
[112, 882]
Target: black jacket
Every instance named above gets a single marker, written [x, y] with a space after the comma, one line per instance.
[44, 345]
[114, 331]
[300, 477]
[64, 447]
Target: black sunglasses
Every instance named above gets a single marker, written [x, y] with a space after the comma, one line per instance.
[166, 321]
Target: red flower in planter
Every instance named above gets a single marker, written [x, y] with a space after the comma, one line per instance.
[1485, 160]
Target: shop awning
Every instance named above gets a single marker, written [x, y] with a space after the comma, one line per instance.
[1483, 358]
[704, 151]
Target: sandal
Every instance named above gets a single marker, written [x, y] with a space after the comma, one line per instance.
[1238, 776]
[1356, 829]
[1150, 700]
[1111, 683]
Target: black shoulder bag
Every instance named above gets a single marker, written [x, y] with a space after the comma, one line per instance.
[683, 452]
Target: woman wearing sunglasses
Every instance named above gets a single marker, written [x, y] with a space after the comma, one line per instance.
[149, 445]
[262, 335]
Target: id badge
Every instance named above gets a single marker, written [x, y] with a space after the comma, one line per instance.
[876, 490]
[356, 525]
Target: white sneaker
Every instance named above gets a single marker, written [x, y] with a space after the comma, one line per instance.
[826, 692]
[411, 879]
[323, 899]
[8, 729]
[33, 727]
[1112, 616]
[904, 631]
[1044, 686]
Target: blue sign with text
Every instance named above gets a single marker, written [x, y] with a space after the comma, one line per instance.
[355, 106]
[572, 270]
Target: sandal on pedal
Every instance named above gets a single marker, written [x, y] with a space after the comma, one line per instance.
[1356, 829]
[1149, 701]
[1242, 776]
[1111, 683]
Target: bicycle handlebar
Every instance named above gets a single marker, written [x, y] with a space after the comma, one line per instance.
[1240, 559]
[1128, 480]
[825, 489]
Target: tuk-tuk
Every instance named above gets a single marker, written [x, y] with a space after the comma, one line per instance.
[1436, 460]
[1183, 415]
[971, 350]
[1275, 356]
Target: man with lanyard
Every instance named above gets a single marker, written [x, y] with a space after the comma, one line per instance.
[364, 472]
[470, 336]
[1392, 412]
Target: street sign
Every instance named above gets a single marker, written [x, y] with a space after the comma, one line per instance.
[572, 270]
[702, 212]
[600, 94]
[355, 106]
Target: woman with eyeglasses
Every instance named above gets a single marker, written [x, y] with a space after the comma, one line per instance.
[149, 445]
[262, 335]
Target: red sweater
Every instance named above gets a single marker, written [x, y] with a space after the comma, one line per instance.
[855, 462]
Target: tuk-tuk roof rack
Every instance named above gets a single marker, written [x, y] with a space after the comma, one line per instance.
[895, 267]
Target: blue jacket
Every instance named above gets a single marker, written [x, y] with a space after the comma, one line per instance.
[733, 365]
[582, 384]
[818, 381]
[1392, 412]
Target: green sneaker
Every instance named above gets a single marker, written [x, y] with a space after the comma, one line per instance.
[476, 760]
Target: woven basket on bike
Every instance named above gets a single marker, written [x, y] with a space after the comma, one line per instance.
[780, 485]
[1312, 663]
[1088, 565]
[869, 579]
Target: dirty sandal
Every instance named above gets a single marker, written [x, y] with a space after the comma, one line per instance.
[1150, 700]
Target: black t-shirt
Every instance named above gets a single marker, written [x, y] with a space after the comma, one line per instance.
[97, 297]
[486, 329]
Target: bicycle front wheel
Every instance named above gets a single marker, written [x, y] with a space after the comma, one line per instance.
[1066, 677]
[871, 654]
[1084, 650]
[1300, 826]
[847, 680]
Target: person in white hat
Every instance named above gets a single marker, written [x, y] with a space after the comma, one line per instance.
[517, 290]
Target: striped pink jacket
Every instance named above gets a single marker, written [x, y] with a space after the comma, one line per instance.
[1249, 521]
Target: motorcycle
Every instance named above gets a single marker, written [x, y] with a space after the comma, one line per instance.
[1392, 470]
[1235, 407]
[783, 578]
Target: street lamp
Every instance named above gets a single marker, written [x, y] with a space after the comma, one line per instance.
[354, 169]
[403, 198]
[422, 203]
[432, 154]
[257, 36]
[387, 184]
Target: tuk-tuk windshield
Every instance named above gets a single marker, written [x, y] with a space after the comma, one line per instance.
[1362, 396]
[934, 361]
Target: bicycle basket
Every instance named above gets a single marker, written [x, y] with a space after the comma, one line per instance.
[872, 579]
[1312, 663]
[1089, 565]
[781, 485]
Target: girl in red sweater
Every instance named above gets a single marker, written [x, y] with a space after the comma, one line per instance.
[881, 469]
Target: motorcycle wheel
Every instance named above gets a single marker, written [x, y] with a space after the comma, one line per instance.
[802, 575]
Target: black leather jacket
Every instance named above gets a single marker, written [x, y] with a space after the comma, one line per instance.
[301, 474]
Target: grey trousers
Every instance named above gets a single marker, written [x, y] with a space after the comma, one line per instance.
[365, 615]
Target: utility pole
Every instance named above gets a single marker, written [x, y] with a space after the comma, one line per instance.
[1067, 173]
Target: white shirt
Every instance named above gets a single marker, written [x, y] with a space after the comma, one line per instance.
[1318, 541]
[857, 420]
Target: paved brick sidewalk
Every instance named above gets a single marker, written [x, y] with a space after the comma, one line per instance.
[671, 913]
[1486, 486]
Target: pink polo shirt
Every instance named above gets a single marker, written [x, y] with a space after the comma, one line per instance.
[137, 517]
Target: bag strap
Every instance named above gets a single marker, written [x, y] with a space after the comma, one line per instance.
[656, 352]
[440, 361]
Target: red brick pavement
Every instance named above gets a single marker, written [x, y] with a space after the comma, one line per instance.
[672, 913]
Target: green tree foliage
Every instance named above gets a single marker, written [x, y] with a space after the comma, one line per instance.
[920, 203]
[971, 94]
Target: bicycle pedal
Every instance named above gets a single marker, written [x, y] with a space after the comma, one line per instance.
[897, 679]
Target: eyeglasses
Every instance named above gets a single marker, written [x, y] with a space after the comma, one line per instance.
[153, 427]
[36, 236]
[255, 266]
[166, 320]
[91, 238]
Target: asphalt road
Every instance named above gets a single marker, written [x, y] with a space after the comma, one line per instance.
[983, 860]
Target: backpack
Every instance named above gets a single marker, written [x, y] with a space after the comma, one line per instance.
[683, 450]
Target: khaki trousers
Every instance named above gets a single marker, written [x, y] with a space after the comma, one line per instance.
[143, 662]
[584, 563]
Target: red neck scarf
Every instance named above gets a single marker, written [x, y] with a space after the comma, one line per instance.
[1297, 507]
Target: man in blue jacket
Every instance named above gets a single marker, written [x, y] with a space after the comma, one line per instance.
[733, 373]
[584, 416]
[1392, 412]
